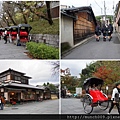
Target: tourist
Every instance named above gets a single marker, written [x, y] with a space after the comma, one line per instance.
[115, 98]
[2, 102]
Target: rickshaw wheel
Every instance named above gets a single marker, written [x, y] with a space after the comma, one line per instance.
[87, 104]
[103, 105]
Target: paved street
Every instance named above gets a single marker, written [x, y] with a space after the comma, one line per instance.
[97, 50]
[45, 107]
[74, 106]
[11, 51]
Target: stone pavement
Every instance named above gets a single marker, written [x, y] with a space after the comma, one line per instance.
[74, 106]
[92, 49]
[11, 51]
[45, 107]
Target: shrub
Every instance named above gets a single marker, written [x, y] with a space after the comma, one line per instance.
[65, 46]
[42, 51]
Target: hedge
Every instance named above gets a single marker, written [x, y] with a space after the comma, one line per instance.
[42, 51]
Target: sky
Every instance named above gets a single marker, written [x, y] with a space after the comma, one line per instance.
[75, 66]
[95, 4]
[40, 71]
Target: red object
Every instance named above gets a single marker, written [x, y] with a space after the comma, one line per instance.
[23, 33]
[97, 96]
[13, 102]
[13, 33]
[8, 32]
[0, 33]
[24, 39]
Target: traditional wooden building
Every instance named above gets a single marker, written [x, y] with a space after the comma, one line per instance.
[117, 17]
[77, 23]
[14, 86]
[54, 5]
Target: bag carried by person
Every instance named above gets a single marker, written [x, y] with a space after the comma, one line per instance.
[117, 97]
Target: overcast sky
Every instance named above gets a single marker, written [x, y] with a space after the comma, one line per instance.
[40, 71]
[95, 4]
[75, 66]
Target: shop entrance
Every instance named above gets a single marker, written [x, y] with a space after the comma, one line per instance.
[15, 97]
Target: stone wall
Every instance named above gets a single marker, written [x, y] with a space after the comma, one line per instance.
[52, 40]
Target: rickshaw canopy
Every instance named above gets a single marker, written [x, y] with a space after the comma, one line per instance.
[92, 81]
[8, 28]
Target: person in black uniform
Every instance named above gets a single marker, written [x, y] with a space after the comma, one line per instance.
[110, 31]
[104, 31]
[97, 33]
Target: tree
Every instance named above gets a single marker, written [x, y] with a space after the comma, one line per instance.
[88, 72]
[109, 71]
[8, 11]
[55, 68]
[49, 13]
[103, 73]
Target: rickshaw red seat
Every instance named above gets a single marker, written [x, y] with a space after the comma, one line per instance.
[23, 33]
[97, 96]
[13, 33]
[8, 32]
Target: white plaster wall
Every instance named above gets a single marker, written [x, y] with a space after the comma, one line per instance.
[67, 30]
[22, 95]
[6, 95]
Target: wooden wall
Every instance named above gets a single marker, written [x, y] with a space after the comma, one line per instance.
[83, 26]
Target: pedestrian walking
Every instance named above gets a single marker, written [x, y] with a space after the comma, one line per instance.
[5, 36]
[2, 102]
[110, 31]
[115, 98]
[97, 33]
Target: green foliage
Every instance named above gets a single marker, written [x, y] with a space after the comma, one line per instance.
[110, 74]
[42, 51]
[43, 27]
[98, 18]
[51, 86]
[65, 46]
[70, 82]
[88, 72]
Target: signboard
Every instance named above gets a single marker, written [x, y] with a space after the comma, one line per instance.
[79, 90]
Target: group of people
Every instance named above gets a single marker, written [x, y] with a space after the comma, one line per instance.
[106, 30]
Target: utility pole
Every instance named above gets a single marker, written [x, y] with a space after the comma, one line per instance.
[105, 11]
[113, 11]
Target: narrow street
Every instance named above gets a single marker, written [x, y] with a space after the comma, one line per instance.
[97, 50]
[45, 107]
[74, 106]
[11, 51]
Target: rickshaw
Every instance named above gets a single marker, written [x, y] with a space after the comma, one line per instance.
[23, 33]
[14, 32]
[94, 97]
[2, 30]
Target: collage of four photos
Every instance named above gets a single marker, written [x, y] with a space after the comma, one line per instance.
[60, 57]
